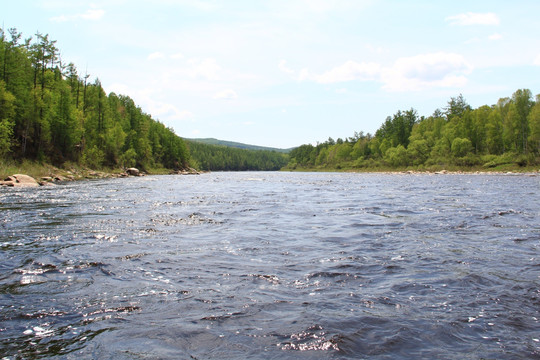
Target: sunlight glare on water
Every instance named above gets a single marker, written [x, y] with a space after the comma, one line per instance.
[272, 266]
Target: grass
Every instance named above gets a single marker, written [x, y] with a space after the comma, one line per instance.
[34, 169]
[38, 170]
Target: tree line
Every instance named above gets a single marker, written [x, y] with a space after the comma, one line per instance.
[210, 157]
[50, 113]
[507, 132]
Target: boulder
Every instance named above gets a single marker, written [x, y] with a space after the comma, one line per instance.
[133, 171]
[46, 183]
[25, 181]
[7, 183]
[20, 180]
[186, 171]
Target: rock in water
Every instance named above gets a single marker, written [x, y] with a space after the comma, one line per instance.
[133, 172]
[23, 181]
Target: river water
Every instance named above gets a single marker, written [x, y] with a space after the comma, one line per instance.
[272, 266]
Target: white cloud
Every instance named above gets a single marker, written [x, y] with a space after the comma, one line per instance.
[471, 18]
[304, 75]
[169, 111]
[537, 60]
[146, 99]
[207, 69]
[397, 83]
[349, 71]
[160, 109]
[90, 14]
[228, 94]
[93, 14]
[156, 55]
[432, 66]
[406, 74]
[476, 40]
[283, 67]
[426, 71]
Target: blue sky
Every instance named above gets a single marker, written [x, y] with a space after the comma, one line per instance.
[283, 73]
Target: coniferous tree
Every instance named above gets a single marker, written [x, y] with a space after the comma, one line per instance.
[49, 113]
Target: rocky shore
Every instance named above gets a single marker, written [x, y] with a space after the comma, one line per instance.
[62, 176]
[446, 172]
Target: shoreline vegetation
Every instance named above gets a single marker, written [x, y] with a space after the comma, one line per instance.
[57, 124]
[51, 114]
[507, 168]
[33, 174]
[501, 137]
[46, 174]
[465, 171]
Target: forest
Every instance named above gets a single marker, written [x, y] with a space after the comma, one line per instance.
[50, 113]
[210, 157]
[502, 136]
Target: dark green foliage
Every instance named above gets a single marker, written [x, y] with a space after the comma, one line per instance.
[397, 129]
[304, 155]
[223, 158]
[48, 112]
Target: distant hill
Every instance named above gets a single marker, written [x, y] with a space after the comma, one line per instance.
[212, 141]
[217, 155]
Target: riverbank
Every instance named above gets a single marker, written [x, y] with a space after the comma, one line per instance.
[500, 170]
[418, 172]
[47, 174]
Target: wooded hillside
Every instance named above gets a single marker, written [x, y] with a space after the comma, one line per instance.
[226, 158]
[49, 112]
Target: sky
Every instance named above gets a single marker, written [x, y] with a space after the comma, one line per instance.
[282, 73]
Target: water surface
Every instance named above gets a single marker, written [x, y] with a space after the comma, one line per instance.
[272, 266]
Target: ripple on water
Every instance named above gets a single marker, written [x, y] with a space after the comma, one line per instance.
[313, 338]
[272, 265]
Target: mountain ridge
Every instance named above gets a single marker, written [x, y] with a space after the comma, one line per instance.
[234, 144]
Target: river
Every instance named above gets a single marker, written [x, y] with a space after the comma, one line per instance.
[272, 265]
